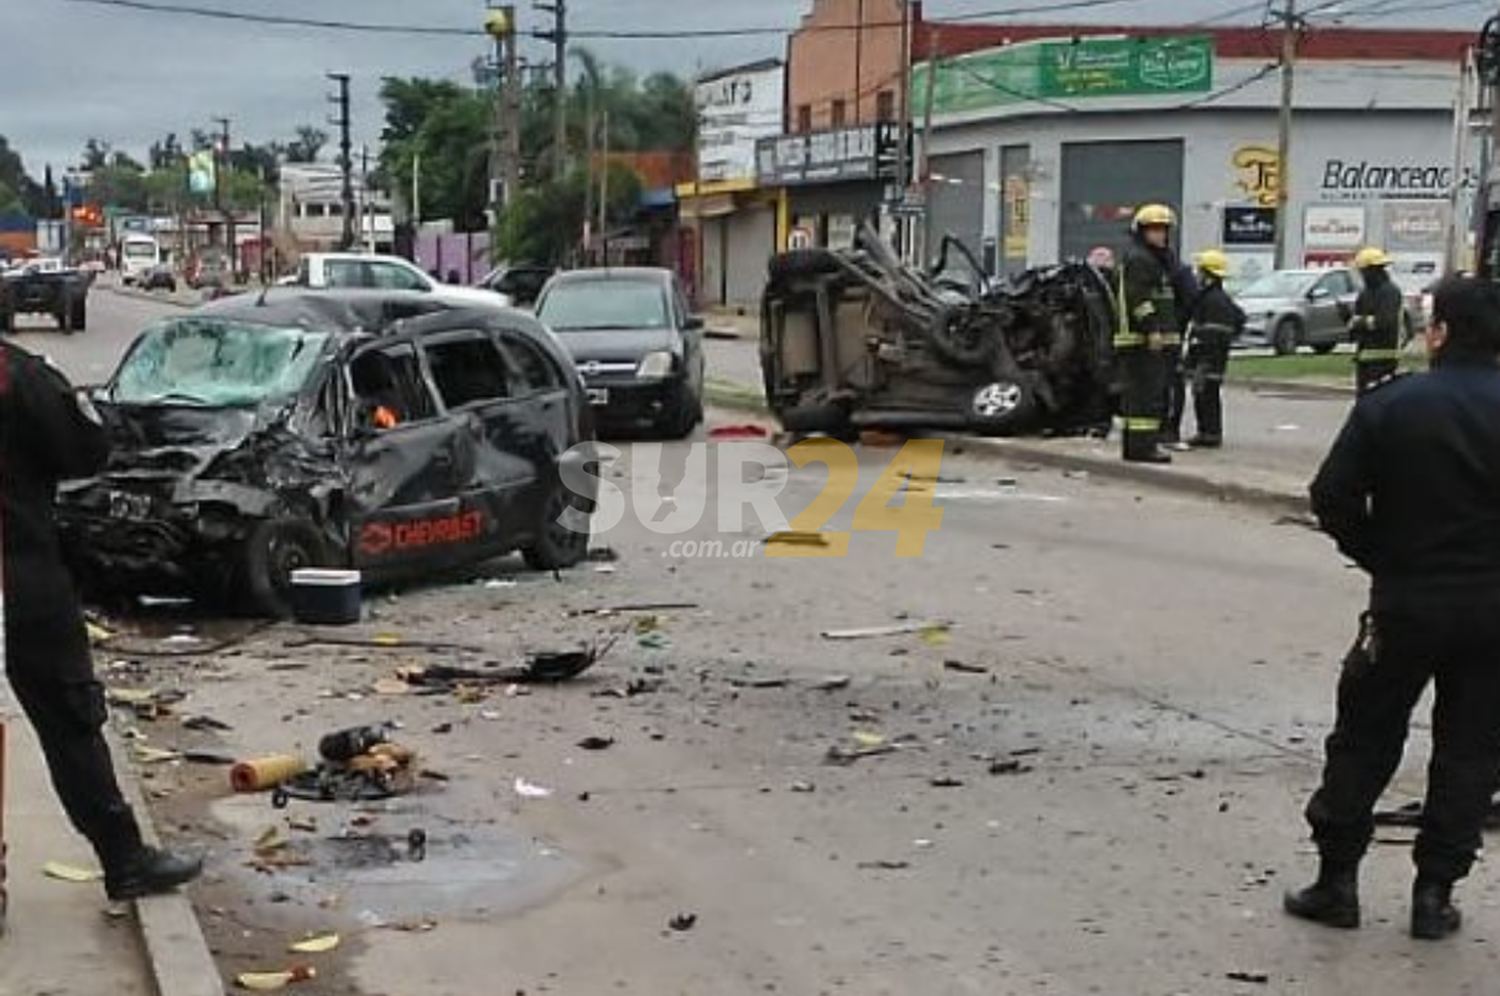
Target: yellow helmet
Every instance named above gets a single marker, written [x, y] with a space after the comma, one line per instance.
[1371, 256]
[1154, 216]
[1213, 261]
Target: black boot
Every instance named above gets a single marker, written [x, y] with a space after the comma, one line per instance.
[149, 872]
[1333, 900]
[1433, 915]
[1203, 441]
[1147, 455]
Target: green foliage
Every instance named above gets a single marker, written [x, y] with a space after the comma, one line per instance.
[545, 224]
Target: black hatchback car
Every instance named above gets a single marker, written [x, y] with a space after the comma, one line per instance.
[382, 431]
[635, 342]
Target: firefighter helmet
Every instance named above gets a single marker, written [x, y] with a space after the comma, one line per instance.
[1154, 216]
[1214, 262]
[1369, 257]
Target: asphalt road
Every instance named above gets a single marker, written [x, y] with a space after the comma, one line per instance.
[1090, 784]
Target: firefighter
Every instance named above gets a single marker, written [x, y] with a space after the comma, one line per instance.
[1408, 493]
[1213, 323]
[1146, 327]
[47, 434]
[1376, 325]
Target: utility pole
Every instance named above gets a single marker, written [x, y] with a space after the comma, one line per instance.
[346, 158]
[505, 145]
[1291, 29]
[588, 186]
[903, 128]
[558, 36]
[925, 176]
[221, 170]
[604, 190]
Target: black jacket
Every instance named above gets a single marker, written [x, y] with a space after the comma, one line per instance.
[47, 434]
[1147, 292]
[1214, 311]
[1377, 314]
[1411, 488]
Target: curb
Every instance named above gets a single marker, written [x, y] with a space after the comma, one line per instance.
[1026, 451]
[177, 953]
[1293, 386]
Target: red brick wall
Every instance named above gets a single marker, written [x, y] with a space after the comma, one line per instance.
[831, 58]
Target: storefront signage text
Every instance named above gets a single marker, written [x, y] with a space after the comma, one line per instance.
[1074, 69]
[734, 112]
[1259, 171]
[1356, 180]
[863, 153]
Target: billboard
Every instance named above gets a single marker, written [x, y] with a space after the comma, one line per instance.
[735, 110]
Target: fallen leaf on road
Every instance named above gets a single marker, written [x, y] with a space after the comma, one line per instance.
[391, 686]
[270, 839]
[683, 921]
[204, 723]
[964, 668]
[98, 634]
[154, 755]
[935, 634]
[527, 790]
[315, 945]
[867, 739]
[798, 539]
[70, 873]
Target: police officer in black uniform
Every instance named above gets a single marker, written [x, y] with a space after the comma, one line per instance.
[1213, 324]
[48, 433]
[1411, 492]
[1376, 325]
[1146, 327]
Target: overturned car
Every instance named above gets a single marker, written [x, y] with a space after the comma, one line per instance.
[383, 431]
[855, 338]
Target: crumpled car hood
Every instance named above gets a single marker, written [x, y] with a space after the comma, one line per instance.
[153, 441]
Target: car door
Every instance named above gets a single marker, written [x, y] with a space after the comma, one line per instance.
[1323, 300]
[477, 385]
[393, 276]
[402, 501]
[548, 420]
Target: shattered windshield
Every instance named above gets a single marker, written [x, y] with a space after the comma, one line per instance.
[216, 363]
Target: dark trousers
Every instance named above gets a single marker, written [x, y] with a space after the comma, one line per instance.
[1456, 643]
[1177, 394]
[1208, 359]
[50, 667]
[1367, 373]
[1144, 396]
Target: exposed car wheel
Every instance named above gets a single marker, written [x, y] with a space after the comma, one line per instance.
[1324, 348]
[556, 546]
[274, 549]
[1286, 336]
[1002, 406]
[803, 263]
[960, 345]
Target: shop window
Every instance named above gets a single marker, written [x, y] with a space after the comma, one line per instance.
[467, 371]
[840, 113]
[885, 106]
[804, 119]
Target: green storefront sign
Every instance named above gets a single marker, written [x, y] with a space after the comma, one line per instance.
[1069, 70]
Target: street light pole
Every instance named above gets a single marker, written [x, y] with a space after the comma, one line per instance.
[221, 169]
[346, 159]
[1292, 26]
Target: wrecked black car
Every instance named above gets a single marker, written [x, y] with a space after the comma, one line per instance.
[855, 338]
[382, 431]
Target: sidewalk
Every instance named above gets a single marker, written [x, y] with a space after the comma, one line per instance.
[65, 938]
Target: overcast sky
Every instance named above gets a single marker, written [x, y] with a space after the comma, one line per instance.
[74, 70]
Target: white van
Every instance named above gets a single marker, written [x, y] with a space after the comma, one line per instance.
[139, 255]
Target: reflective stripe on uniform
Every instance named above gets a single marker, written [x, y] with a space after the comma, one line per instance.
[1171, 339]
[1142, 424]
[1143, 310]
[1376, 355]
[1129, 340]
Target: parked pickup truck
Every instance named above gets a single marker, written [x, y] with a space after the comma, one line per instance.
[44, 286]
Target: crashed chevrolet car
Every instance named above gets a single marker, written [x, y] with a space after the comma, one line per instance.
[854, 338]
[383, 431]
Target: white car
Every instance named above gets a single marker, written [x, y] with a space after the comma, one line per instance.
[352, 269]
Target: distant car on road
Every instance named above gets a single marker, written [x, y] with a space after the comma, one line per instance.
[380, 430]
[522, 283]
[1288, 309]
[635, 342]
[159, 277]
[368, 270]
[45, 286]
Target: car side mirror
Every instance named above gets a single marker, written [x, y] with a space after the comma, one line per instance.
[1319, 294]
[693, 323]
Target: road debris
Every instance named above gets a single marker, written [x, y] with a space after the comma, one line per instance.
[64, 872]
[874, 632]
[962, 667]
[884, 865]
[683, 922]
[272, 981]
[1258, 978]
[654, 640]
[796, 538]
[596, 743]
[204, 723]
[603, 555]
[615, 610]
[261, 773]
[147, 704]
[945, 782]
[528, 790]
[832, 683]
[750, 682]
[803, 787]
[723, 433]
[315, 945]
[1008, 766]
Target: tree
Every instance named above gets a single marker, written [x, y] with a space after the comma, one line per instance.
[167, 152]
[545, 223]
[306, 146]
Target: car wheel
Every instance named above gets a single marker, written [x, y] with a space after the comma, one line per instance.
[1324, 348]
[274, 549]
[803, 263]
[1286, 337]
[682, 420]
[7, 323]
[1001, 407]
[78, 316]
[957, 344]
[556, 546]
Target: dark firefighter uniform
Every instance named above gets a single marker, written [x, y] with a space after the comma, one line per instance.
[1146, 320]
[1376, 325]
[1185, 287]
[1411, 492]
[47, 433]
[1213, 324]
